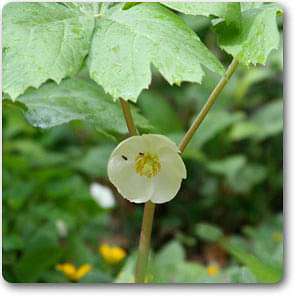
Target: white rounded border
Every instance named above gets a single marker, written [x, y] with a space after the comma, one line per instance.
[290, 286]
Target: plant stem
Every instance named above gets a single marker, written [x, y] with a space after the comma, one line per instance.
[128, 117]
[144, 244]
[146, 230]
[149, 208]
[207, 106]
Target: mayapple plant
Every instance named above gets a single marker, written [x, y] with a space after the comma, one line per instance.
[45, 46]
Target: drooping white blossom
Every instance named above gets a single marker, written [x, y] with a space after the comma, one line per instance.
[147, 167]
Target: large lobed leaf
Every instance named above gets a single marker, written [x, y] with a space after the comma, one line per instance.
[43, 41]
[258, 35]
[126, 42]
[230, 12]
[76, 99]
[249, 32]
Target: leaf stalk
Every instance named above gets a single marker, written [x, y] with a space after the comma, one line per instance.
[128, 118]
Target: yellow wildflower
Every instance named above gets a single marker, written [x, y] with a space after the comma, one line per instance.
[112, 254]
[213, 270]
[73, 273]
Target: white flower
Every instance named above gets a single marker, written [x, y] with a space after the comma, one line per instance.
[147, 167]
[102, 195]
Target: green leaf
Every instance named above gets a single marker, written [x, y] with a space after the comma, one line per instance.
[269, 119]
[77, 252]
[263, 272]
[266, 122]
[208, 232]
[257, 38]
[243, 130]
[267, 241]
[14, 121]
[188, 272]
[12, 242]
[42, 41]
[250, 5]
[169, 265]
[228, 166]
[96, 276]
[30, 148]
[94, 163]
[86, 8]
[126, 275]
[250, 77]
[76, 99]
[214, 123]
[247, 177]
[198, 9]
[126, 42]
[230, 12]
[166, 261]
[41, 252]
[16, 196]
[196, 23]
[240, 175]
[170, 253]
[240, 275]
[159, 112]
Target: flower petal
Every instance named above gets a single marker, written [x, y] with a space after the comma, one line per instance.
[130, 185]
[130, 148]
[165, 186]
[158, 141]
[173, 162]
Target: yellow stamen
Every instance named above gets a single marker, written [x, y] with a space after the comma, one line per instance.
[147, 164]
[112, 254]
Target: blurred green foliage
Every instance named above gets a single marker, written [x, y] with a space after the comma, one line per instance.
[227, 214]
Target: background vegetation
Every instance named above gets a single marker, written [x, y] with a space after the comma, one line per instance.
[225, 225]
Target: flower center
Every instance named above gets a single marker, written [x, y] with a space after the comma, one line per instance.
[147, 164]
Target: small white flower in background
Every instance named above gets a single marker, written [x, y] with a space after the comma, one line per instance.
[61, 228]
[102, 195]
[147, 167]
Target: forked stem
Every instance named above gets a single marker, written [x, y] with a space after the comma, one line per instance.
[149, 208]
[207, 106]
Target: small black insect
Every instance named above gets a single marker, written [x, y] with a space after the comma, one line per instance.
[124, 157]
